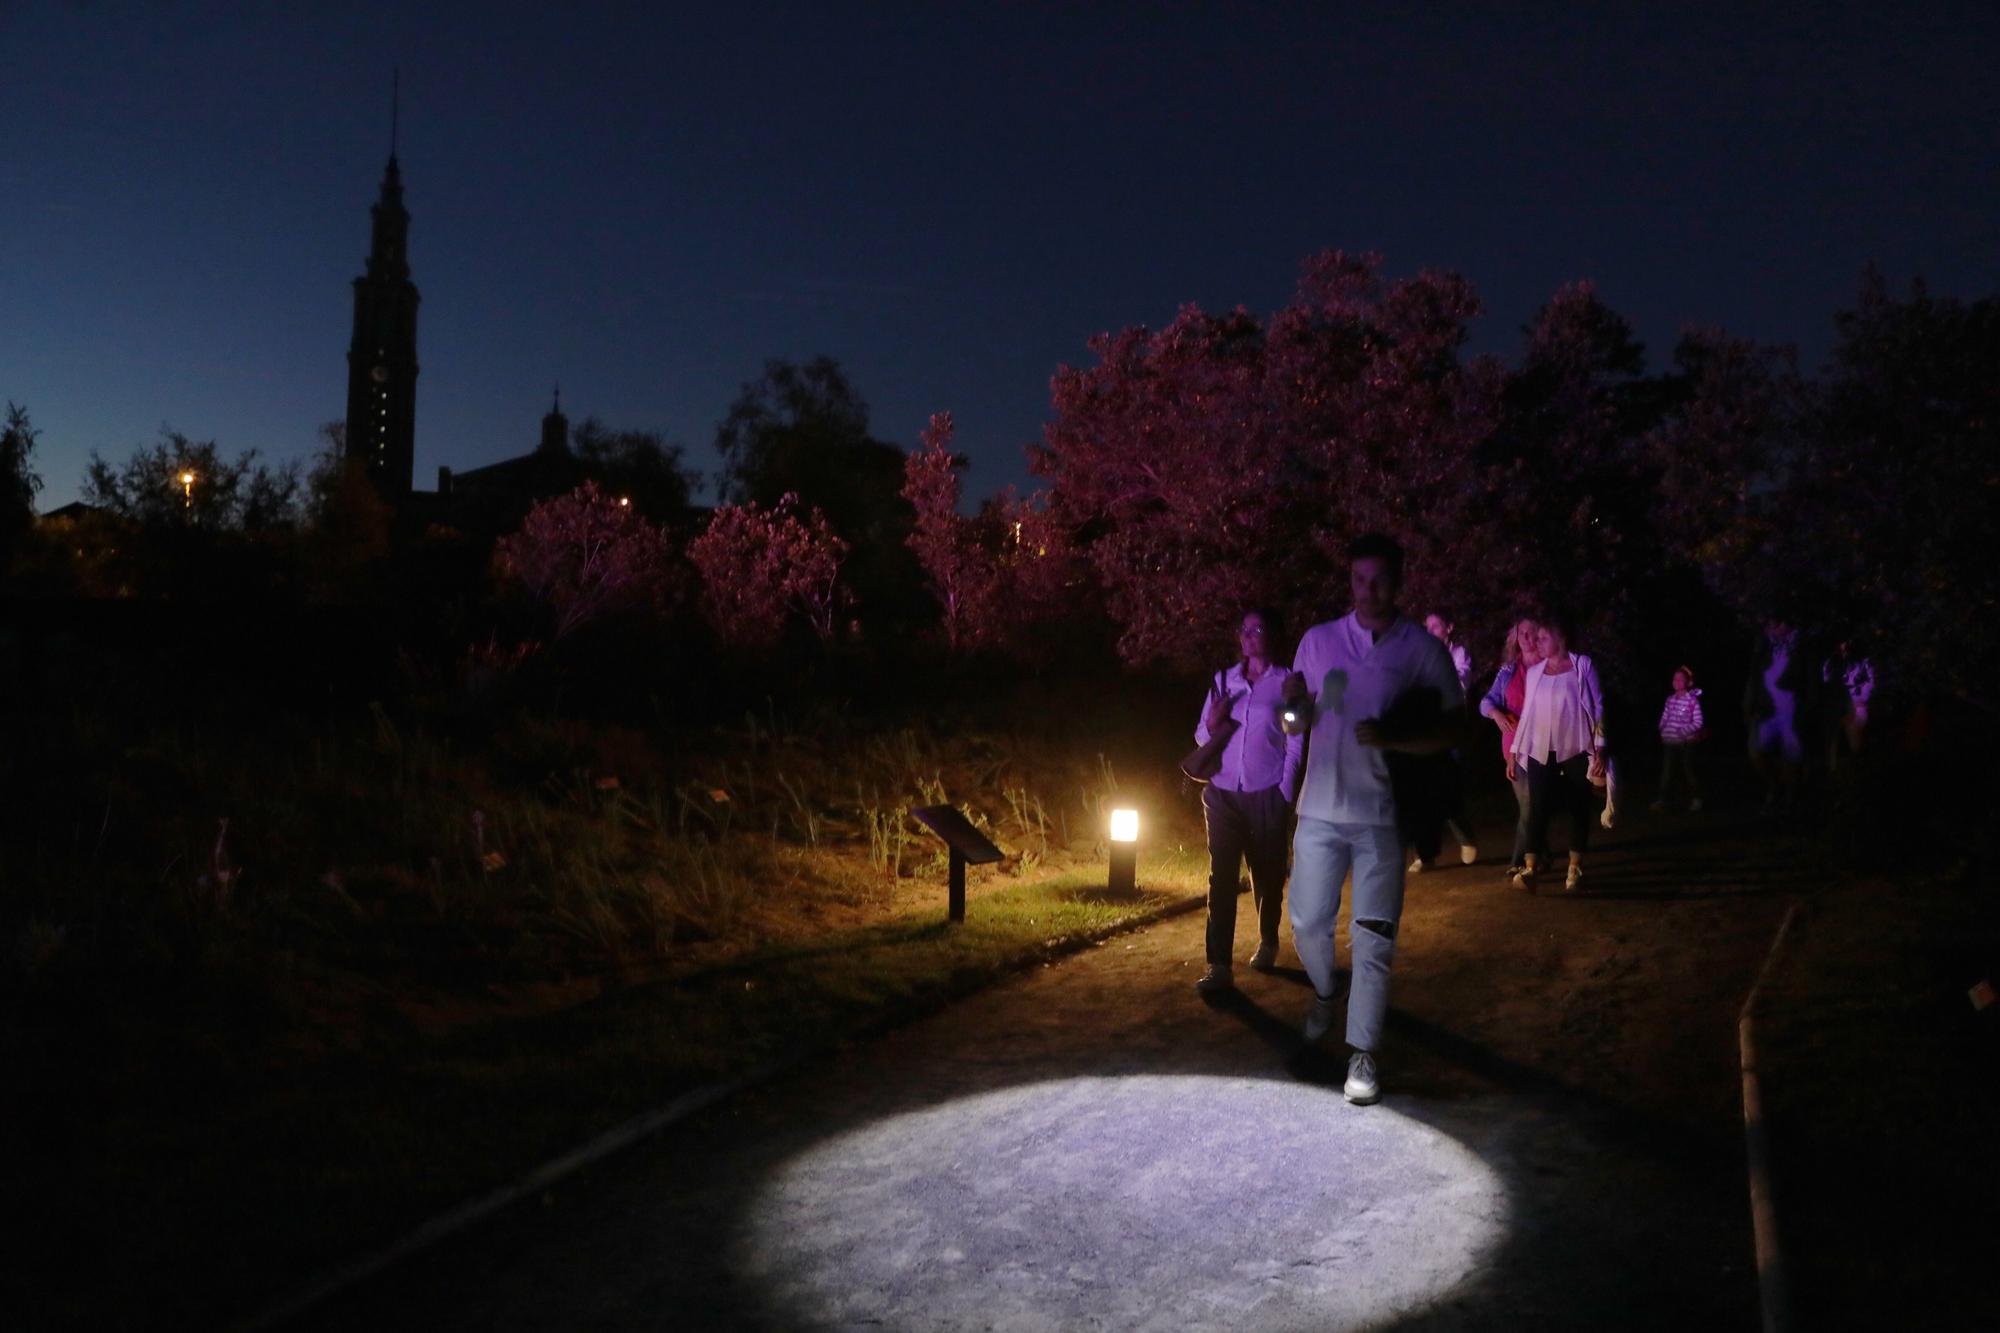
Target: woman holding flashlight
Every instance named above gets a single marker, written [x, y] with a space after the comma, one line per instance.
[1247, 805]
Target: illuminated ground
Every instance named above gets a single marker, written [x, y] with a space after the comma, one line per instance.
[1093, 1146]
[1083, 1201]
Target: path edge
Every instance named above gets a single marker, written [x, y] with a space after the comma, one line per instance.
[1773, 1288]
[643, 1126]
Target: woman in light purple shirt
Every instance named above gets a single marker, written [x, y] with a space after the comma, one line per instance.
[1247, 805]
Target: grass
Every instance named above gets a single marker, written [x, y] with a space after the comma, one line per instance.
[410, 966]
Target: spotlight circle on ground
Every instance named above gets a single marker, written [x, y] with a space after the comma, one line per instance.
[1146, 1201]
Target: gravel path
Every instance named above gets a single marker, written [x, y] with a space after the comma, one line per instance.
[1094, 1146]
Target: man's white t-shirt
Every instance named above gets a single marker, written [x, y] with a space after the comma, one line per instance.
[1354, 676]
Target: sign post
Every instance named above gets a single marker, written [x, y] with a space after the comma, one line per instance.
[967, 844]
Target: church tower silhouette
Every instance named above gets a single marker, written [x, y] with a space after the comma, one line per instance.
[382, 356]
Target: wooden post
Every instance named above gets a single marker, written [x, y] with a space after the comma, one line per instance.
[956, 911]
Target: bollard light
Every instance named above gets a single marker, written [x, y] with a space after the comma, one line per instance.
[1124, 851]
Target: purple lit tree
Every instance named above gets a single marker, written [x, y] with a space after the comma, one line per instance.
[1227, 459]
[586, 555]
[758, 566]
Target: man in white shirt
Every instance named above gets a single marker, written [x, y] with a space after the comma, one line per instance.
[1349, 673]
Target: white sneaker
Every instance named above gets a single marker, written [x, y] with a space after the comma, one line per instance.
[1363, 1088]
[1419, 866]
[1265, 958]
[1215, 978]
[1573, 878]
[1468, 852]
[1319, 1018]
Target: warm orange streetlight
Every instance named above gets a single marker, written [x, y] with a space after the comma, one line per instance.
[624, 502]
[187, 490]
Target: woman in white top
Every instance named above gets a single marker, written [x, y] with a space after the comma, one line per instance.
[1247, 805]
[1560, 744]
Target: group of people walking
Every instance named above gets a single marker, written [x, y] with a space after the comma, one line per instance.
[1337, 761]
[1308, 761]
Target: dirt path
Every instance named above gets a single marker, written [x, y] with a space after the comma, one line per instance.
[1092, 1145]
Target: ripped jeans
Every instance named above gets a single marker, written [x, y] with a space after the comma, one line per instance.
[1322, 855]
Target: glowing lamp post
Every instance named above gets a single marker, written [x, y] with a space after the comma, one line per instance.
[187, 490]
[1124, 851]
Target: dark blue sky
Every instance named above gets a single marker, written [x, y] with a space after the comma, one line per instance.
[647, 207]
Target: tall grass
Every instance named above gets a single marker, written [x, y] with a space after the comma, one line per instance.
[382, 847]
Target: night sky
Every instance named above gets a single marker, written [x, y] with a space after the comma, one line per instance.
[646, 208]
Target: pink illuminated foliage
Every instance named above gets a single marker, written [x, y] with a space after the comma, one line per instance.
[585, 555]
[1005, 579]
[1226, 459]
[959, 559]
[759, 566]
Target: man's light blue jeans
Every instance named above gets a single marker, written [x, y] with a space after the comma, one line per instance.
[1322, 855]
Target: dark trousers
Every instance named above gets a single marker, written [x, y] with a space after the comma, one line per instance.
[1253, 826]
[1678, 756]
[1555, 789]
[1458, 822]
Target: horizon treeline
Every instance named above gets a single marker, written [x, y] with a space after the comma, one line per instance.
[1185, 473]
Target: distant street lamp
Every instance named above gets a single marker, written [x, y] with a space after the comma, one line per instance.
[1124, 851]
[187, 490]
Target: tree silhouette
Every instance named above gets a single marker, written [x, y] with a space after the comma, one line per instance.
[181, 482]
[638, 464]
[1899, 488]
[803, 430]
[795, 429]
[347, 523]
[19, 482]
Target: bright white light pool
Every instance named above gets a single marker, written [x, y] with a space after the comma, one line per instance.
[1141, 1202]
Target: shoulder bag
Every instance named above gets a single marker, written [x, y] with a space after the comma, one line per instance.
[1205, 760]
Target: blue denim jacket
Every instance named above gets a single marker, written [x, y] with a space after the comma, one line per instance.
[1497, 696]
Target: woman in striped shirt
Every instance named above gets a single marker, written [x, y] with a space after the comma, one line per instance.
[1681, 726]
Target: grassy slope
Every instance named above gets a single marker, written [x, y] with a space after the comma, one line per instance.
[254, 1148]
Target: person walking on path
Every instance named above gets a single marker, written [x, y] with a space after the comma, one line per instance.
[1502, 706]
[1560, 742]
[1772, 709]
[1349, 674]
[1457, 821]
[1247, 805]
[1681, 729]
[1850, 683]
